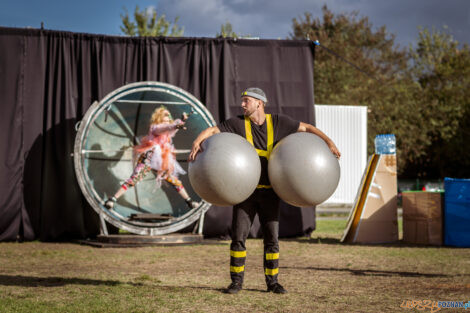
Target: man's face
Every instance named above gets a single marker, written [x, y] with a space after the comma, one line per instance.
[250, 105]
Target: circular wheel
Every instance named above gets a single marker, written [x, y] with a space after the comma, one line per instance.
[103, 157]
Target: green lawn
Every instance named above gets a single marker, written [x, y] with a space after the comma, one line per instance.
[321, 275]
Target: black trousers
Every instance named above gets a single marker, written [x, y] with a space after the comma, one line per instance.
[265, 203]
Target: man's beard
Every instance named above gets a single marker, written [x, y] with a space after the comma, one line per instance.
[247, 113]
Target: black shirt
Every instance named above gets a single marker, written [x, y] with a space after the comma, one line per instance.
[282, 127]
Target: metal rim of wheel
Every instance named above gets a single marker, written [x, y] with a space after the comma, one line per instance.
[93, 196]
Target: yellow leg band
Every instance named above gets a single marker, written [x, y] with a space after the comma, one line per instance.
[238, 254]
[271, 271]
[237, 269]
[272, 256]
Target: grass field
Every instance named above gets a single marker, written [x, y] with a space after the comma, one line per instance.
[320, 274]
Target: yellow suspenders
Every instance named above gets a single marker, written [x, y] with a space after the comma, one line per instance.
[269, 146]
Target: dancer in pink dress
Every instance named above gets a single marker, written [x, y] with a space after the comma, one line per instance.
[157, 153]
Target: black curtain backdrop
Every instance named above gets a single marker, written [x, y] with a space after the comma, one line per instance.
[48, 80]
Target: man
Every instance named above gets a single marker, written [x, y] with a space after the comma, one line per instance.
[263, 131]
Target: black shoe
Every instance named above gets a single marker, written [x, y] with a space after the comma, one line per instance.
[192, 204]
[233, 288]
[276, 288]
[109, 204]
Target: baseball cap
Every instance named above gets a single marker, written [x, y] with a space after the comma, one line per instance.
[255, 93]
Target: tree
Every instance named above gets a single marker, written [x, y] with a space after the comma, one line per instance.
[146, 23]
[421, 95]
[442, 68]
[385, 85]
[227, 31]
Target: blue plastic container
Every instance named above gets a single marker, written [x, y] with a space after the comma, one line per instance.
[385, 144]
[457, 212]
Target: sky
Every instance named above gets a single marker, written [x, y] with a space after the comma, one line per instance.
[266, 19]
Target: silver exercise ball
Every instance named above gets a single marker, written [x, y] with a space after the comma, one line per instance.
[226, 171]
[302, 170]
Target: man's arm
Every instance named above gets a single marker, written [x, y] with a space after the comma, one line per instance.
[202, 136]
[304, 127]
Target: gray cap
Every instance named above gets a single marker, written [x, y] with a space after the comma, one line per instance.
[255, 93]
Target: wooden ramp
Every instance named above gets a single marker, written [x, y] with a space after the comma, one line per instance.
[373, 218]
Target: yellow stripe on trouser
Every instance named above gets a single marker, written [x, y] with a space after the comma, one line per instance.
[237, 269]
[271, 271]
[238, 254]
[270, 143]
[272, 256]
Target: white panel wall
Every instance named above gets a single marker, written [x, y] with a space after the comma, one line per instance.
[347, 127]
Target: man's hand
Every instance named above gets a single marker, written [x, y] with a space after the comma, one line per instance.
[304, 127]
[194, 151]
[334, 149]
[196, 148]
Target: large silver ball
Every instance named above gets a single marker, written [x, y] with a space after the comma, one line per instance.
[302, 170]
[227, 170]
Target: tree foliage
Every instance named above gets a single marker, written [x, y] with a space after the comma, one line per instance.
[226, 30]
[146, 23]
[420, 94]
[442, 68]
[385, 86]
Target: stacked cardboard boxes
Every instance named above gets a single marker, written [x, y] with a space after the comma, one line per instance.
[423, 217]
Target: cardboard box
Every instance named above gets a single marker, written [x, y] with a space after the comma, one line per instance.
[378, 222]
[423, 217]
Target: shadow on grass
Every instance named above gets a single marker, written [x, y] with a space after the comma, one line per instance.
[395, 244]
[222, 290]
[29, 281]
[368, 272]
[313, 240]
